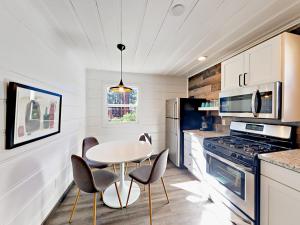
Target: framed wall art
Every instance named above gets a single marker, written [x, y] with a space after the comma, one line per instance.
[32, 114]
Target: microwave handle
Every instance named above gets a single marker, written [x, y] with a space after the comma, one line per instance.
[255, 99]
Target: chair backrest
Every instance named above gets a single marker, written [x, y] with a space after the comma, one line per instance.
[88, 143]
[146, 138]
[159, 166]
[82, 174]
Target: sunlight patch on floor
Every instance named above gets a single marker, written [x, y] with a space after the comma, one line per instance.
[195, 199]
[194, 187]
[212, 213]
[220, 212]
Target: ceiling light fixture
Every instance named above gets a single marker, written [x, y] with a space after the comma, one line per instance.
[202, 58]
[121, 88]
[178, 10]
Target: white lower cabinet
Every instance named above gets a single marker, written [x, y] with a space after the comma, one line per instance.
[280, 196]
[194, 159]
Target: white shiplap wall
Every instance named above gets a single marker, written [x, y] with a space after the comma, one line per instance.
[153, 93]
[33, 177]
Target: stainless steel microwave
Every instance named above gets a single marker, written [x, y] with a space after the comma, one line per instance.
[260, 101]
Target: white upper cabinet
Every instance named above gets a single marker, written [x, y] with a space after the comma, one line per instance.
[263, 63]
[276, 59]
[258, 65]
[232, 72]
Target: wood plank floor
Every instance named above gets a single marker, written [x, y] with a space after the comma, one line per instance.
[188, 205]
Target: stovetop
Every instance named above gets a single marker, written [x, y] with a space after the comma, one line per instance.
[247, 147]
[240, 150]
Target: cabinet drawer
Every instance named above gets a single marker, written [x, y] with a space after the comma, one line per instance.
[199, 159]
[187, 161]
[187, 158]
[197, 144]
[280, 174]
[187, 137]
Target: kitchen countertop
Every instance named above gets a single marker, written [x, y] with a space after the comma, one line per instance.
[288, 159]
[206, 133]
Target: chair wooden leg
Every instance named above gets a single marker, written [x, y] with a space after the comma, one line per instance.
[162, 180]
[95, 209]
[129, 192]
[150, 203]
[74, 206]
[149, 161]
[118, 193]
[114, 168]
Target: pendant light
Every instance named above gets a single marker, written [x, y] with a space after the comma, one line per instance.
[121, 88]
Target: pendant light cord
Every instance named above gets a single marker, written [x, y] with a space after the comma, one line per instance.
[121, 22]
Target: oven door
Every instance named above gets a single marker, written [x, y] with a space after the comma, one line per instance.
[235, 182]
[262, 101]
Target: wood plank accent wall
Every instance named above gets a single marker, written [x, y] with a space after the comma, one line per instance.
[206, 84]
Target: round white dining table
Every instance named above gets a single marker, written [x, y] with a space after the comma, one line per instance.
[120, 152]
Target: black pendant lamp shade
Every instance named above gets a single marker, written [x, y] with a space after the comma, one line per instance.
[121, 88]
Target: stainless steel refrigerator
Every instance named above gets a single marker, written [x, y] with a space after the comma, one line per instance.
[181, 114]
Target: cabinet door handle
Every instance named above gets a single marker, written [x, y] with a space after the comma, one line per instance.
[245, 79]
[240, 80]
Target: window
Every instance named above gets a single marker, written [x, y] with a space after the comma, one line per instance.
[121, 107]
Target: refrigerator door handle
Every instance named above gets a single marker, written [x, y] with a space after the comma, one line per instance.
[175, 110]
[175, 130]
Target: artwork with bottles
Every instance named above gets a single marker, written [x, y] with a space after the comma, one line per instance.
[32, 114]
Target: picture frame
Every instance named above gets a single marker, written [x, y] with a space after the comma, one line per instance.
[32, 114]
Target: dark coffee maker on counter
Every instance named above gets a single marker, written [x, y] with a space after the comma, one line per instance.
[206, 124]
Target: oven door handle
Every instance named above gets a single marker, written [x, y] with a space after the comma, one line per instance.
[239, 167]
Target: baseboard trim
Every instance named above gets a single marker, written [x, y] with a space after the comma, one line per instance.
[60, 200]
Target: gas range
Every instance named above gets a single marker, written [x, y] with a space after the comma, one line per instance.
[232, 164]
[243, 150]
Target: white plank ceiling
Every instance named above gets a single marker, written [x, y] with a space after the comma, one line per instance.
[157, 42]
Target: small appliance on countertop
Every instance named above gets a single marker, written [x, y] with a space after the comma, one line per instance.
[207, 123]
[233, 167]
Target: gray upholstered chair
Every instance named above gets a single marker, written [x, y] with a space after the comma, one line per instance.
[150, 174]
[145, 137]
[88, 143]
[91, 182]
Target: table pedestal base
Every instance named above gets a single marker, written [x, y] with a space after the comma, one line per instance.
[110, 197]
